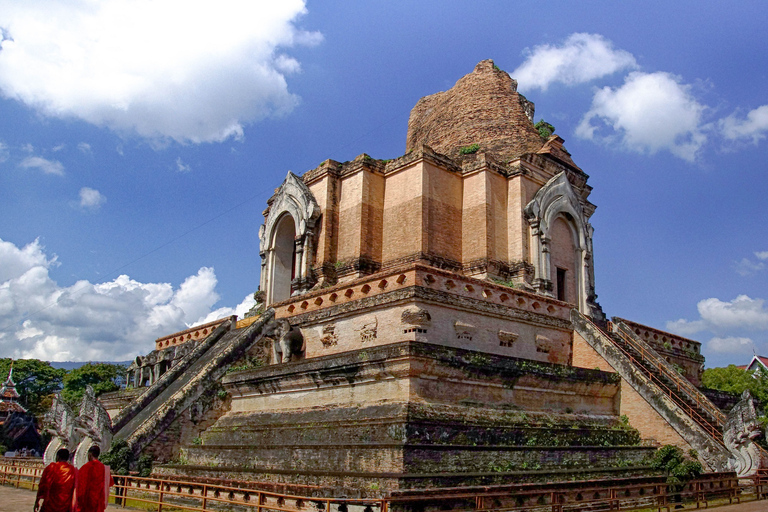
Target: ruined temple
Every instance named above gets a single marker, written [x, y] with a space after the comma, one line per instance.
[427, 321]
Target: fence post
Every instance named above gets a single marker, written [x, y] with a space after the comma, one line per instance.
[204, 493]
[160, 497]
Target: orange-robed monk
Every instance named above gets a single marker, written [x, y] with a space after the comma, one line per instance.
[57, 484]
[93, 483]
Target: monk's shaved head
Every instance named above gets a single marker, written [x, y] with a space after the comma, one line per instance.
[62, 455]
[95, 451]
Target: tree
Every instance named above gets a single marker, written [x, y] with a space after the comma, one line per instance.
[36, 382]
[101, 377]
[735, 380]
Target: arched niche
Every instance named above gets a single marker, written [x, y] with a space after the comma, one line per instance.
[283, 264]
[286, 241]
[558, 225]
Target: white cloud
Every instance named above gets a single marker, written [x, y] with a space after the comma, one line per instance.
[3, 152]
[649, 113]
[581, 58]
[181, 166]
[188, 71]
[115, 320]
[84, 147]
[732, 345]
[762, 255]
[240, 310]
[91, 199]
[47, 166]
[754, 127]
[58, 147]
[742, 313]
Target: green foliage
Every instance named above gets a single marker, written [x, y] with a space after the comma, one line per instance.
[120, 459]
[545, 129]
[508, 283]
[36, 382]
[735, 380]
[144, 465]
[678, 468]
[468, 150]
[197, 441]
[100, 376]
[496, 68]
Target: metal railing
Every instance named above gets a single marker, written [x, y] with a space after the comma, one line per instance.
[704, 423]
[631, 494]
[660, 364]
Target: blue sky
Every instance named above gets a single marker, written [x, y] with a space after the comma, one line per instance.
[140, 140]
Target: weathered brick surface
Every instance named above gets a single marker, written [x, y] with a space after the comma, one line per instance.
[483, 108]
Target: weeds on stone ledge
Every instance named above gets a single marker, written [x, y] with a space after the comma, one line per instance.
[471, 149]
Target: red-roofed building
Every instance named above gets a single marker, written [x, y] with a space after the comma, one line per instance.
[758, 363]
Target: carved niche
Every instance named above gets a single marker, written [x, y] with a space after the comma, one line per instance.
[286, 241]
[558, 200]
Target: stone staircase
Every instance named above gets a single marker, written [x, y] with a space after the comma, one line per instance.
[682, 406]
[674, 385]
[198, 373]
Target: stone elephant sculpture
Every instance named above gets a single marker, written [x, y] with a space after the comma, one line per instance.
[288, 341]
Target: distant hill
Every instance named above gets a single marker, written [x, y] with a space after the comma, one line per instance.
[71, 365]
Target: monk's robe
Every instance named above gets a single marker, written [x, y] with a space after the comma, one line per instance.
[56, 487]
[93, 483]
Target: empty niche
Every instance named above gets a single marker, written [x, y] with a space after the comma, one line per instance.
[416, 316]
[329, 337]
[506, 339]
[401, 279]
[368, 332]
[464, 331]
[415, 319]
[543, 344]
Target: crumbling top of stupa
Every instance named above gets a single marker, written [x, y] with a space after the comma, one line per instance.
[482, 108]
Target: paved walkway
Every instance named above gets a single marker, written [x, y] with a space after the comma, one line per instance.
[23, 500]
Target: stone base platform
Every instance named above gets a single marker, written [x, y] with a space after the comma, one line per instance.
[412, 415]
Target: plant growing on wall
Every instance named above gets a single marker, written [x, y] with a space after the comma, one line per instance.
[468, 150]
[545, 129]
[678, 467]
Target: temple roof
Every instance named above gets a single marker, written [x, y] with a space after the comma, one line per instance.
[482, 108]
[8, 391]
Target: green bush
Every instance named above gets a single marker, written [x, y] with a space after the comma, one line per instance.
[468, 150]
[545, 129]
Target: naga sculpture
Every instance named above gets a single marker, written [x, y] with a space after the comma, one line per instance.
[77, 433]
[741, 429]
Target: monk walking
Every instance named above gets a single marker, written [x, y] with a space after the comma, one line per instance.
[93, 483]
[57, 484]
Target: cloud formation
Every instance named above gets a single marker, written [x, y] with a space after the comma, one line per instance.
[91, 199]
[754, 127]
[734, 325]
[186, 71]
[40, 163]
[718, 316]
[735, 345]
[111, 321]
[581, 58]
[649, 113]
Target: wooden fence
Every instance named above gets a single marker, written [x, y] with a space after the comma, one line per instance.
[172, 495]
